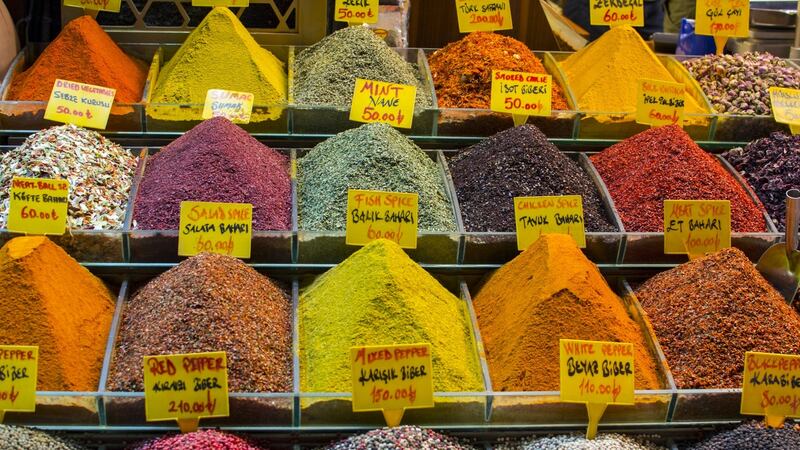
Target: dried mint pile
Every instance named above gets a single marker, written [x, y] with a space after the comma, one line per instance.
[374, 156]
[518, 162]
[754, 435]
[209, 303]
[772, 166]
[405, 437]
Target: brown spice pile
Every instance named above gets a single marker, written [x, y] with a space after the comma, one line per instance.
[462, 71]
[708, 312]
[209, 303]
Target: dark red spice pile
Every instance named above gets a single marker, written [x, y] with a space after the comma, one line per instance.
[216, 161]
[205, 439]
[665, 164]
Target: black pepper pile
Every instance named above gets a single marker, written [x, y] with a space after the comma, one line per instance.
[754, 435]
[209, 303]
[772, 166]
[518, 162]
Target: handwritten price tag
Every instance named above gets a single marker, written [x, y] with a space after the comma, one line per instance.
[598, 374]
[696, 227]
[97, 5]
[616, 12]
[186, 387]
[785, 105]
[660, 103]
[220, 2]
[723, 18]
[18, 375]
[376, 101]
[38, 206]
[224, 228]
[356, 11]
[521, 94]
[483, 15]
[382, 215]
[235, 106]
[392, 378]
[560, 214]
[771, 386]
[80, 104]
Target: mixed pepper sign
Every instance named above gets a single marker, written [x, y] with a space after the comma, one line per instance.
[521, 94]
[660, 102]
[786, 107]
[18, 376]
[38, 206]
[771, 387]
[722, 19]
[598, 374]
[535, 216]
[186, 388]
[84, 105]
[483, 15]
[696, 227]
[375, 215]
[235, 106]
[616, 12]
[208, 227]
[96, 5]
[377, 101]
[356, 12]
[392, 378]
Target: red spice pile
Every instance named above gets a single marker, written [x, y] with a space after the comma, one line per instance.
[462, 71]
[665, 164]
[207, 439]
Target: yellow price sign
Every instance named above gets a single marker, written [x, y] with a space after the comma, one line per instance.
[375, 215]
[558, 214]
[97, 5]
[18, 375]
[392, 378]
[785, 105]
[376, 101]
[696, 227]
[224, 228]
[521, 94]
[771, 386]
[483, 15]
[220, 2]
[84, 105]
[660, 102]
[598, 374]
[356, 11]
[186, 387]
[235, 106]
[722, 19]
[38, 206]
[616, 12]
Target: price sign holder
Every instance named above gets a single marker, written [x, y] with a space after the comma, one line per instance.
[598, 374]
[376, 101]
[561, 214]
[483, 15]
[234, 106]
[771, 387]
[786, 107]
[722, 19]
[521, 94]
[18, 387]
[186, 388]
[391, 379]
[38, 206]
[356, 12]
[382, 215]
[224, 228]
[696, 227]
[96, 5]
[660, 102]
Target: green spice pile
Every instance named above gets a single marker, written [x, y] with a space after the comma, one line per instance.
[374, 156]
[17, 438]
[326, 72]
[209, 303]
[100, 174]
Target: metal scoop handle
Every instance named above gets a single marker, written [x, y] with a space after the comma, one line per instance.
[792, 219]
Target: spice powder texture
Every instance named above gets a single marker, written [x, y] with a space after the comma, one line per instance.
[84, 53]
[664, 163]
[709, 312]
[209, 303]
[52, 301]
[551, 292]
[377, 296]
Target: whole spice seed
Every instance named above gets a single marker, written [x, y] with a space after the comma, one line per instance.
[20, 438]
[664, 163]
[739, 84]
[204, 439]
[772, 166]
[216, 161]
[515, 163]
[754, 435]
[462, 71]
[708, 312]
[209, 303]
[610, 441]
[374, 156]
[326, 72]
[400, 438]
[99, 172]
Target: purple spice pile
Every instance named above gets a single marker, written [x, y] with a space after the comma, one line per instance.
[772, 166]
[205, 439]
[216, 161]
[405, 437]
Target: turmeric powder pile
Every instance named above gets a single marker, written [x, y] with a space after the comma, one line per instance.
[551, 292]
[49, 300]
